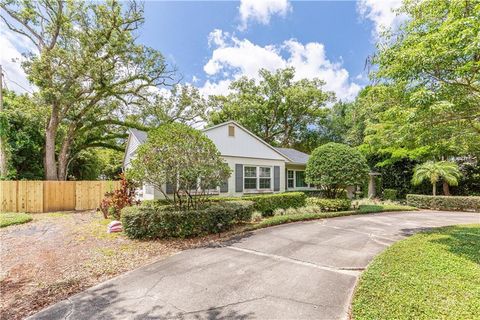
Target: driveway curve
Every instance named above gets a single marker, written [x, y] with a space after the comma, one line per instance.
[305, 270]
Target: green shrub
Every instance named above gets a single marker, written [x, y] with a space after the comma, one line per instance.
[329, 205]
[321, 194]
[256, 216]
[154, 221]
[454, 203]
[267, 203]
[390, 194]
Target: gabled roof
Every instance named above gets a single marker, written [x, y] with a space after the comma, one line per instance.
[250, 133]
[292, 155]
[295, 156]
[141, 136]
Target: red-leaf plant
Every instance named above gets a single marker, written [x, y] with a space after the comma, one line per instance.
[115, 201]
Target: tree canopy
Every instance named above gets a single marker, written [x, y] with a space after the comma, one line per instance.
[277, 108]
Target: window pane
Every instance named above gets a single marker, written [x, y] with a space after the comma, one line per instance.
[250, 183]
[300, 179]
[290, 183]
[265, 172]
[265, 183]
[250, 172]
[290, 174]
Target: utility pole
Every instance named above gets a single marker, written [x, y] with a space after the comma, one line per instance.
[3, 153]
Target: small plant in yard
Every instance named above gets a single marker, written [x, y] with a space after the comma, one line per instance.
[256, 216]
[115, 201]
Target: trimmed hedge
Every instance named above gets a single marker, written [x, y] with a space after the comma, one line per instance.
[267, 203]
[154, 221]
[329, 205]
[390, 194]
[454, 203]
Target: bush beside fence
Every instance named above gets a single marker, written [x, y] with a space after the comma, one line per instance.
[454, 203]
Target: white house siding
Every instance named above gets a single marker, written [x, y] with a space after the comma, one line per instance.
[132, 145]
[233, 161]
[242, 144]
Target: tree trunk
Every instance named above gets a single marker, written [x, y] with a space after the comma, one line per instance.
[50, 164]
[434, 190]
[446, 189]
[64, 155]
[3, 156]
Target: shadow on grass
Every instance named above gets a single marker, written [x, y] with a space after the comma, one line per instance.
[463, 241]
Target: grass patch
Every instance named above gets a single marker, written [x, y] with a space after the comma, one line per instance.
[11, 218]
[431, 275]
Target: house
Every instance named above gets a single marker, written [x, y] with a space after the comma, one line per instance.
[257, 167]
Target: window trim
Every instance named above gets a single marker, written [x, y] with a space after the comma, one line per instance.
[309, 186]
[258, 177]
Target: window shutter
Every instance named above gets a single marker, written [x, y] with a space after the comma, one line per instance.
[238, 177]
[276, 178]
[169, 188]
[224, 186]
[286, 179]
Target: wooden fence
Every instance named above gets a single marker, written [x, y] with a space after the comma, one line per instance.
[47, 196]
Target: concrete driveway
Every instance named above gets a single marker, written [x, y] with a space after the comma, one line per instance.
[303, 270]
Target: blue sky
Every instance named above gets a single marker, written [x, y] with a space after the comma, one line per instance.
[214, 42]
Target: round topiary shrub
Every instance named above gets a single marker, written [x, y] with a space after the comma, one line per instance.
[335, 166]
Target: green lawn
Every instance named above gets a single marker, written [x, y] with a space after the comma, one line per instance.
[431, 275]
[11, 218]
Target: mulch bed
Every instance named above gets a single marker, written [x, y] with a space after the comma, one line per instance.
[59, 254]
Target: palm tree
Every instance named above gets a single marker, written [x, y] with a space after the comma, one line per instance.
[434, 171]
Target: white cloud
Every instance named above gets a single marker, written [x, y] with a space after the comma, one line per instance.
[12, 45]
[261, 11]
[233, 58]
[381, 13]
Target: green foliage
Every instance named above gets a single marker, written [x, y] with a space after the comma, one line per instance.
[267, 203]
[389, 194]
[336, 166]
[453, 203]
[434, 171]
[373, 208]
[426, 104]
[469, 184]
[180, 156]
[329, 204]
[277, 108]
[79, 69]
[24, 131]
[11, 218]
[153, 222]
[431, 275]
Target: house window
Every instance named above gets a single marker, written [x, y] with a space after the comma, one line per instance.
[290, 179]
[257, 178]
[231, 131]
[250, 178]
[300, 179]
[265, 179]
[296, 179]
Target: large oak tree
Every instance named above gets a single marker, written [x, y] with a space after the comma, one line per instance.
[88, 68]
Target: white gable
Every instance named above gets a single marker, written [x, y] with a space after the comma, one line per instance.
[241, 144]
[132, 145]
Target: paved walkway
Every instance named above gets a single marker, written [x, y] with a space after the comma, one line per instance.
[303, 270]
